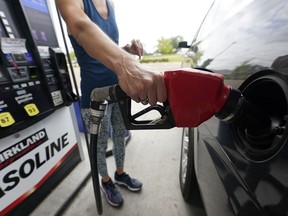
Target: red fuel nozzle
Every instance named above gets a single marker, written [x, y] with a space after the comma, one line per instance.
[195, 96]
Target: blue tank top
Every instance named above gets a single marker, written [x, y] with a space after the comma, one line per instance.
[93, 73]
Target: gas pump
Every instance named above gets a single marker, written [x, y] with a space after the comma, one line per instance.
[59, 64]
[24, 97]
[39, 137]
[53, 61]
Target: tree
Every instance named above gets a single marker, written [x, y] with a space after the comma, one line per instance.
[164, 46]
[168, 46]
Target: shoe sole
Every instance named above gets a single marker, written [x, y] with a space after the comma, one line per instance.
[111, 203]
[129, 188]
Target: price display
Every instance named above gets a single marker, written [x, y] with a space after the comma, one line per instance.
[6, 119]
[31, 109]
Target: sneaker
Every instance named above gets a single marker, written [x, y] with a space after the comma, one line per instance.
[126, 180]
[113, 196]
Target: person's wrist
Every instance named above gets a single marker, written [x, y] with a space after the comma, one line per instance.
[124, 64]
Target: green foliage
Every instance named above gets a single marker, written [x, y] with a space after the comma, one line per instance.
[165, 46]
[168, 45]
[244, 67]
[162, 58]
[72, 56]
[154, 60]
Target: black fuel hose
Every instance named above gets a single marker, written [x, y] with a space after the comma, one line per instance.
[94, 172]
[98, 109]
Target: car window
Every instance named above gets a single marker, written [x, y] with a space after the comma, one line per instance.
[221, 11]
[251, 37]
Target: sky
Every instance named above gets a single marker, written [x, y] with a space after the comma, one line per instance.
[150, 20]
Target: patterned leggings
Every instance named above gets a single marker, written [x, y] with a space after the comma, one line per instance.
[113, 116]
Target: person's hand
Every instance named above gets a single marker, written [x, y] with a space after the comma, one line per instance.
[141, 84]
[135, 48]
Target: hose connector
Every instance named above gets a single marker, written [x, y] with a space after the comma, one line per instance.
[97, 111]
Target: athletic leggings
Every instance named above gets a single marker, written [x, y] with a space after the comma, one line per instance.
[113, 116]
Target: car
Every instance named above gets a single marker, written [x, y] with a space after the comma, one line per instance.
[226, 168]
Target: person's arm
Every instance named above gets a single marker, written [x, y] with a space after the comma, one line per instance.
[137, 81]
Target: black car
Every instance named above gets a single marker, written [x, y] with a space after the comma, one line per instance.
[223, 167]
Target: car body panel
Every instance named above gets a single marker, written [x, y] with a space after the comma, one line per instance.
[238, 41]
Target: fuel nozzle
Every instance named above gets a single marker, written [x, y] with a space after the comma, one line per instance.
[195, 96]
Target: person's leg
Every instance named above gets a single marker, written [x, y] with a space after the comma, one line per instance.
[112, 195]
[85, 113]
[102, 143]
[118, 137]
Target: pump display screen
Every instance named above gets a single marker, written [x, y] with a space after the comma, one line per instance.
[19, 74]
[40, 21]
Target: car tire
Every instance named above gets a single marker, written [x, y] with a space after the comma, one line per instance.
[187, 176]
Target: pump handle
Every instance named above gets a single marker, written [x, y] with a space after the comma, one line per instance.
[115, 93]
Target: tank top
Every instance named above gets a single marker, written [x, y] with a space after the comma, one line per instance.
[93, 73]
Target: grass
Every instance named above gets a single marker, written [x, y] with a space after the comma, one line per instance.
[162, 58]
